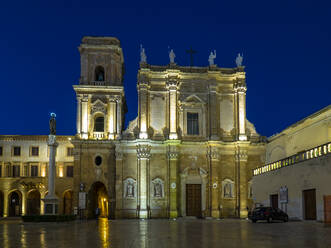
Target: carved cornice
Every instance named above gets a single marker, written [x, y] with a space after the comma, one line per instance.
[143, 151]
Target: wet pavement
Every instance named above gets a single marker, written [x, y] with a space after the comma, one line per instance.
[163, 233]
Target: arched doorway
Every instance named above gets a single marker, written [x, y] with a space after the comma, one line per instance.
[33, 203]
[98, 199]
[67, 202]
[15, 203]
[1, 204]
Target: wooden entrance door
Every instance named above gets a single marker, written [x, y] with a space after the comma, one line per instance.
[309, 199]
[327, 208]
[274, 201]
[193, 200]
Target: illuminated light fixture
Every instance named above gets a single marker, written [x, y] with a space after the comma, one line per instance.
[43, 171]
[143, 135]
[61, 172]
[173, 136]
[69, 138]
[242, 137]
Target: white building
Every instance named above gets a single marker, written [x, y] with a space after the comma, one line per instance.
[297, 173]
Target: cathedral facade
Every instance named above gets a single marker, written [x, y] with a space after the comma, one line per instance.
[190, 151]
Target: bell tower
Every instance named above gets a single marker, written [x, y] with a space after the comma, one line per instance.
[100, 93]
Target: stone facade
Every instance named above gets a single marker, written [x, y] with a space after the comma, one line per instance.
[191, 128]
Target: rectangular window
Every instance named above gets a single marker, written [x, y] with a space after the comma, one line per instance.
[16, 171]
[0, 150]
[192, 123]
[17, 151]
[70, 171]
[34, 171]
[35, 151]
[70, 151]
[26, 171]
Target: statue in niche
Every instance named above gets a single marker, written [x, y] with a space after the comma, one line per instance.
[130, 190]
[172, 56]
[143, 57]
[239, 60]
[52, 124]
[157, 190]
[227, 190]
[211, 58]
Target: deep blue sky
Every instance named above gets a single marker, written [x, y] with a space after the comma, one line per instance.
[286, 47]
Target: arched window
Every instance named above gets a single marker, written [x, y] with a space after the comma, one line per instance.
[99, 124]
[99, 73]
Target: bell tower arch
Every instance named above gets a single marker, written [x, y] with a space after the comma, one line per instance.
[100, 93]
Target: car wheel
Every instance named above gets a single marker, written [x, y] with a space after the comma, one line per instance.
[285, 219]
[269, 219]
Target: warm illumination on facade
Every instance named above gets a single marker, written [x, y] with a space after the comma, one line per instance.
[302, 156]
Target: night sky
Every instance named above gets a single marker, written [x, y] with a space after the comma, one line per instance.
[286, 48]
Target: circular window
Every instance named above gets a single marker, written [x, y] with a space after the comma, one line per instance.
[98, 160]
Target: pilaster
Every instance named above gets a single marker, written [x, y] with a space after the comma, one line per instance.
[85, 115]
[240, 89]
[111, 118]
[143, 87]
[172, 155]
[172, 86]
[143, 155]
[212, 110]
[213, 156]
[241, 161]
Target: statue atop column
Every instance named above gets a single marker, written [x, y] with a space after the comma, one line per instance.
[172, 56]
[52, 124]
[211, 58]
[143, 57]
[239, 60]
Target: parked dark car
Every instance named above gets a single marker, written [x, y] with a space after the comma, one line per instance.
[267, 213]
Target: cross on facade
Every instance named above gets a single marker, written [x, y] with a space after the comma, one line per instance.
[191, 52]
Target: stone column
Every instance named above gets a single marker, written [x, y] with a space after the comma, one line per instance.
[143, 109]
[119, 117]
[173, 180]
[241, 92]
[213, 156]
[24, 203]
[5, 203]
[79, 114]
[143, 155]
[111, 118]
[51, 200]
[241, 160]
[172, 85]
[85, 114]
[213, 114]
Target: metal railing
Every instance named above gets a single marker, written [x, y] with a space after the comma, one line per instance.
[296, 158]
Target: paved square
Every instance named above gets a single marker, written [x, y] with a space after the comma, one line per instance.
[163, 233]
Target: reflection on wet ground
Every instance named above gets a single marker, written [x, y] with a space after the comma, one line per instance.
[163, 233]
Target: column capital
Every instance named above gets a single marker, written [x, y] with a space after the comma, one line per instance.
[240, 86]
[241, 155]
[143, 151]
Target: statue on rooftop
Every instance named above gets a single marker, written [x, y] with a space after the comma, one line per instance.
[172, 56]
[211, 58]
[239, 60]
[143, 57]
